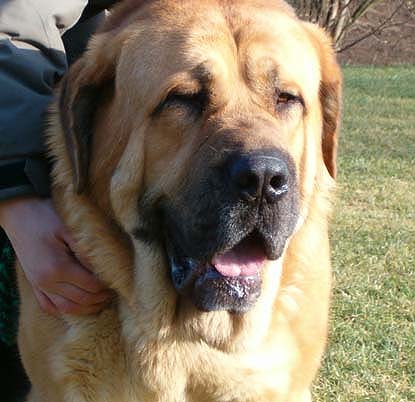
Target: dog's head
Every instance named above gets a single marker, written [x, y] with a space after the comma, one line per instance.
[202, 129]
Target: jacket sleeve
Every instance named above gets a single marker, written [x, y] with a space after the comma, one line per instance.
[32, 59]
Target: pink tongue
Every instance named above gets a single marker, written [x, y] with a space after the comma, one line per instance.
[244, 259]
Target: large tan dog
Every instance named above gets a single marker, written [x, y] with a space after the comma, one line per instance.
[195, 147]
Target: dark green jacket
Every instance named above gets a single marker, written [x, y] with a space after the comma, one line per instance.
[38, 39]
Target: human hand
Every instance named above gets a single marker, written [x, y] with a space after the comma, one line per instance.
[62, 281]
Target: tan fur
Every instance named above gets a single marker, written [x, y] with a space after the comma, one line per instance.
[149, 345]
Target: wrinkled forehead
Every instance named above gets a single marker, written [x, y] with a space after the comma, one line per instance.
[248, 43]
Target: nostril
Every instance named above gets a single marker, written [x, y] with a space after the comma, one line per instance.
[278, 182]
[248, 181]
[245, 177]
[277, 186]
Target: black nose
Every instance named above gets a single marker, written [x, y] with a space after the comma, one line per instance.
[255, 175]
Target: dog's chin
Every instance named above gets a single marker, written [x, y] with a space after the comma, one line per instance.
[230, 281]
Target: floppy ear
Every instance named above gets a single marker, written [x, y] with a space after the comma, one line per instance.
[330, 96]
[81, 91]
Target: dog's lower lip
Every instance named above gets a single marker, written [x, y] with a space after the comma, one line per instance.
[213, 291]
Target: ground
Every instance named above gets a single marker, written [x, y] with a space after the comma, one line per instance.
[371, 355]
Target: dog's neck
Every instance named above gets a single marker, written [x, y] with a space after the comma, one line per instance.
[167, 343]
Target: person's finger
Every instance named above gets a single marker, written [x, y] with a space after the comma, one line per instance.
[81, 296]
[65, 306]
[70, 242]
[45, 303]
[77, 275]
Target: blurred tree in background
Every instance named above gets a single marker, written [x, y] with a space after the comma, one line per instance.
[341, 17]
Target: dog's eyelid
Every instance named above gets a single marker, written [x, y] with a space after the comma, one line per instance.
[289, 103]
[181, 95]
[286, 96]
[195, 98]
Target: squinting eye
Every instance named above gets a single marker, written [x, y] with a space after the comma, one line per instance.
[195, 101]
[286, 98]
[182, 98]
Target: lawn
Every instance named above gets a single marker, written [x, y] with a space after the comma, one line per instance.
[371, 354]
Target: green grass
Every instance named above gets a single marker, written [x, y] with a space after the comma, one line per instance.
[371, 353]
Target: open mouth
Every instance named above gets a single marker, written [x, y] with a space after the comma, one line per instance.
[230, 281]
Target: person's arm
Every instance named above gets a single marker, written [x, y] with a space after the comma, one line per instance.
[32, 59]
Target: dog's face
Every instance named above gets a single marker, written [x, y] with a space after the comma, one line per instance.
[216, 122]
